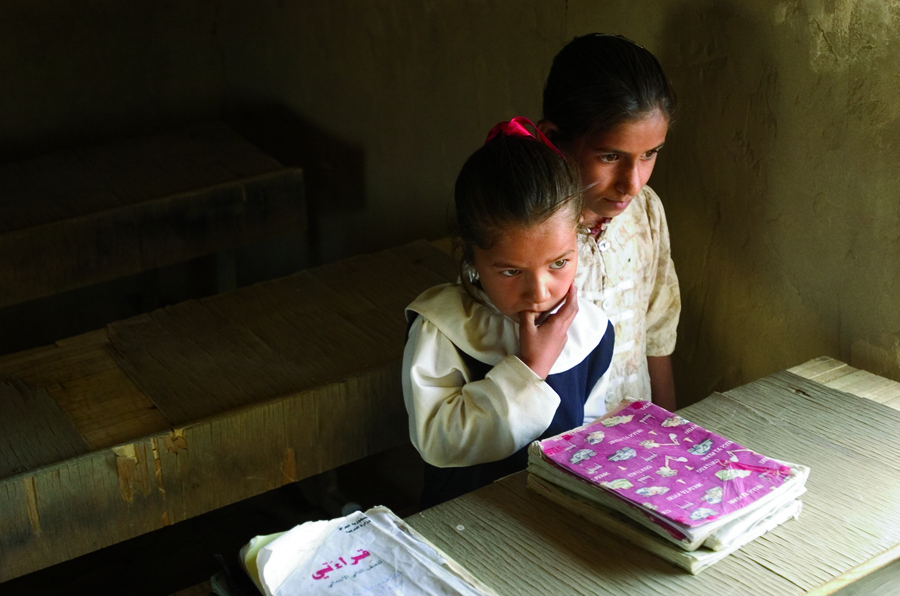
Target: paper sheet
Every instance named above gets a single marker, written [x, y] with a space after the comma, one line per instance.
[361, 554]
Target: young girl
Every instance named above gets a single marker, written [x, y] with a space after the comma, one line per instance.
[608, 105]
[507, 355]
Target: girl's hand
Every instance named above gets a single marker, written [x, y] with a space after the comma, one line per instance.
[540, 345]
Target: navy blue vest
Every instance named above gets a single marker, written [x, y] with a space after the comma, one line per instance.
[573, 387]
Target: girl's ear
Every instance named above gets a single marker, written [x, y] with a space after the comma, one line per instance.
[548, 128]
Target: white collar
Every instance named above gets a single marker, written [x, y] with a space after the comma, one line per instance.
[484, 333]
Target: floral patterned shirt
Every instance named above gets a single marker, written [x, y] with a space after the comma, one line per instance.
[628, 271]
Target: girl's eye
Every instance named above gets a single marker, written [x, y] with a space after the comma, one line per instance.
[559, 264]
[509, 272]
[608, 157]
[651, 154]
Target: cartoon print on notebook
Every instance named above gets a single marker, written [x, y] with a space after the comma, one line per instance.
[648, 417]
[581, 455]
[666, 471]
[731, 474]
[702, 448]
[703, 513]
[649, 491]
[623, 454]
[733, 457]
[616, 420]
[595, 437]
[675, 420]
[713, 495]
[619, 483]
[651, 444]
[591, 470]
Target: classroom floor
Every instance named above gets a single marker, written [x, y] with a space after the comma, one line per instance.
[177, 557]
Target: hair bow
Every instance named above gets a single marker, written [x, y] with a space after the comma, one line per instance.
[516, 128]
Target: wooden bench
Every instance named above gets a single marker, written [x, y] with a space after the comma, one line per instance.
[82, 216]
[153, 420]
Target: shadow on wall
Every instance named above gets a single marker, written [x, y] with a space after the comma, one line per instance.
[715, 183]
[333, 170]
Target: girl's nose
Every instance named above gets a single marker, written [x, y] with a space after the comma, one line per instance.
[630, 182]
[538, 289]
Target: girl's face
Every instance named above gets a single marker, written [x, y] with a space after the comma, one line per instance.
[616, 164]
[530, 269]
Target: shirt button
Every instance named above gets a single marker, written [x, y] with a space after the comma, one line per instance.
[606, 305]
[603, 245]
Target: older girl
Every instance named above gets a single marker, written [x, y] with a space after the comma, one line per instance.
[608, 105]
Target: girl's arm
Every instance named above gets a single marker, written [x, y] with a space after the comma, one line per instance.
[662, 383]
[454, 421]
[664, 308]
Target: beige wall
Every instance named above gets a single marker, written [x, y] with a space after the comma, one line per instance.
[779, 177]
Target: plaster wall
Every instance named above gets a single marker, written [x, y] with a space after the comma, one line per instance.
[779, 177]
[77, 72]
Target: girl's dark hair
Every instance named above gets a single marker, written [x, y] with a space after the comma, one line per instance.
[510, 181]
[598, 81]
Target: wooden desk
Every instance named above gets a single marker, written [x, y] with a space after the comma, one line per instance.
[95, 213]
[517, 543]
[156, 419]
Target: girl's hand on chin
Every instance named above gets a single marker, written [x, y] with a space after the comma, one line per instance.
[540, 345]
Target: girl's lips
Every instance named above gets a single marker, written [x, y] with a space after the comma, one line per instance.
[542, 318]
[619, 204]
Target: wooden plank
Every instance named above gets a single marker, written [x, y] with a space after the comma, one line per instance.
[877, 577]
[344, 419]
[231, 457]
[832, 373]
[19, 541]
[97, 398]
[867, 385]
[821, 369]
[204, 357]
[883, 582]
[92, 214]
[215, 218]
[60, 512]
[212, 464]
[110, 175]
[33, 430]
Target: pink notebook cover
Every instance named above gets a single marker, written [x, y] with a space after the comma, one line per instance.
[655, 459]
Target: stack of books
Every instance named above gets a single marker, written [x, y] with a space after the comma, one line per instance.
[666, 484]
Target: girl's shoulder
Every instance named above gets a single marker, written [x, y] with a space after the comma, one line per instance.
[653, 208]
[448, 301]
[474, 327]
[645, 215]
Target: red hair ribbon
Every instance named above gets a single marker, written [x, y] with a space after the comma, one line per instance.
[516, 128]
